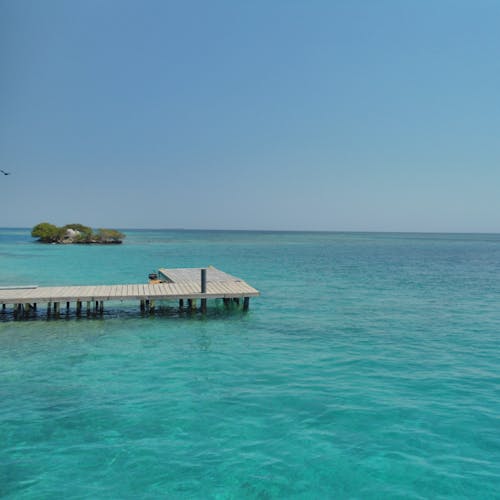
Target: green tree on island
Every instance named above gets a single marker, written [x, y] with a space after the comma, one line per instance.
[109, 236]
[75, 233]
[46, 232]
[85, 232]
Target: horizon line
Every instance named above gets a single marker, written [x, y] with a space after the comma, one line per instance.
[355, 231]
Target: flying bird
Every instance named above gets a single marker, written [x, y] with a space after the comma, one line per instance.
[4, 172]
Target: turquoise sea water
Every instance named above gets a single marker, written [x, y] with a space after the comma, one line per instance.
[368, 368]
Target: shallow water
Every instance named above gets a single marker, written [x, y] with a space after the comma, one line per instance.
[367, 368]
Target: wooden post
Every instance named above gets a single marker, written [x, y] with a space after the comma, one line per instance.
[181, 304]
[203, 305]
[3, 307]
[67, 306]
[246, 303]
[79, 307]
[96, 306]
[143, 305]
[226, 301]
[237, 301]
[203, 281]
[34, 306]
[147, 305]
[101, 306]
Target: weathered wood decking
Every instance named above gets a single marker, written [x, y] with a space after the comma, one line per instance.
[179, 284]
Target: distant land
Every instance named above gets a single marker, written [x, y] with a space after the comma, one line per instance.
[75, 234]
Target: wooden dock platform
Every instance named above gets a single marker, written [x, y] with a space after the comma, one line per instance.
[188, 284]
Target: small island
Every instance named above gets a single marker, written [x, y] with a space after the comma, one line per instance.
[75, 234]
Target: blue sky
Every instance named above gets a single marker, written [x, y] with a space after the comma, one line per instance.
[318, 115]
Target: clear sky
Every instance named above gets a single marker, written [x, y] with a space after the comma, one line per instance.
[379, 115]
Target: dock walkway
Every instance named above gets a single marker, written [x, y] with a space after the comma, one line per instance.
[187, 284]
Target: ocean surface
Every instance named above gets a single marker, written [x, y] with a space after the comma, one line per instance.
[368, 368]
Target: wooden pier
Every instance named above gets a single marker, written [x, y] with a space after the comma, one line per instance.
[186, 286]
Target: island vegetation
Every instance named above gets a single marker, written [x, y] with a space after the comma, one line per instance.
[75, 233]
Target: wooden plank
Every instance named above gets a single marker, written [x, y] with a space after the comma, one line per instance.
[194, 287]
[55, 292]
[180, 290]
[216, 287]
[161, 291]
[184, 287]
[27, 293]
[177, 292]
[68, 293]
[89, 293]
